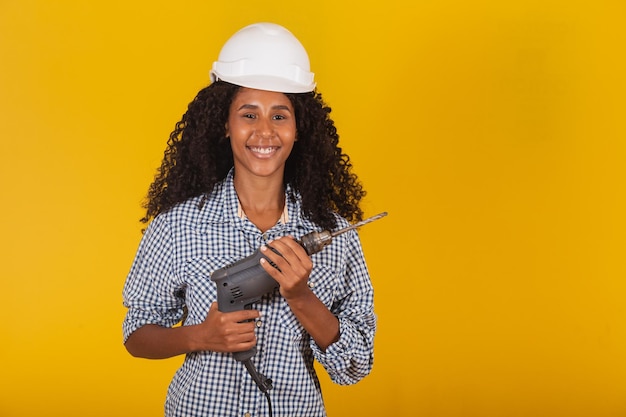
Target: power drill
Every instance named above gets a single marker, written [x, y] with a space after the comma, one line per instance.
[243, 283]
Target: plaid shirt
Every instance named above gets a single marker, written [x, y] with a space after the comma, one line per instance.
[171, 271]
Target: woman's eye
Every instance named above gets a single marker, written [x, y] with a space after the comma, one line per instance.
[279, 117]
[249, 116]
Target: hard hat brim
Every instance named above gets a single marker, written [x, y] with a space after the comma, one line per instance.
[265, 82]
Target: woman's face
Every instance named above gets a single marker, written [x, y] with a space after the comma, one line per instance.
[262, 130]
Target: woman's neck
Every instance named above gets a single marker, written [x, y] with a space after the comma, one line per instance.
[262, 200]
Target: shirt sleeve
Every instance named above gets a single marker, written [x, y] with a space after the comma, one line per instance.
[351, 358]
[150, 291]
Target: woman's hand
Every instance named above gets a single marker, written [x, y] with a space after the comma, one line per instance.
[294, 267]
[219, 332]
[226, 332]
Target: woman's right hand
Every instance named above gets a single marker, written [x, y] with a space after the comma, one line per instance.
[219, 332]
[226, 332]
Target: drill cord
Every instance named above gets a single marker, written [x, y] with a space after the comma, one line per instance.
[264, 384]
[269, 403]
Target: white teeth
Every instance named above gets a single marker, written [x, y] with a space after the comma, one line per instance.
[263, 150]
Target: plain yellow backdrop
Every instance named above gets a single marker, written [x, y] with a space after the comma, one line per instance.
[493, 132]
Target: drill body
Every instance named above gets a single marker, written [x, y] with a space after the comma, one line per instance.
[244, 282]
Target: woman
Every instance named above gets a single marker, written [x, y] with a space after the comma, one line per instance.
[254, 162]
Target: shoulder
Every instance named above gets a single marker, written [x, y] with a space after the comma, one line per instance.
[183, 212]
[199, 209]
[341, 221]
[297, 212]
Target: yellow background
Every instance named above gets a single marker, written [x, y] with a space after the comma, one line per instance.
[493, 132]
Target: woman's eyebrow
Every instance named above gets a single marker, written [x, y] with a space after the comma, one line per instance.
[248, 106]
[254, 106]
[281, 107]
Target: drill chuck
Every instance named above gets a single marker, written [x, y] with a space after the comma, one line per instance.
[315, 241]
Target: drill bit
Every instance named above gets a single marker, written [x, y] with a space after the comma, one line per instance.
[315, 241]
[359, 224]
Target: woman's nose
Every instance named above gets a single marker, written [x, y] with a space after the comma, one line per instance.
[265, 128]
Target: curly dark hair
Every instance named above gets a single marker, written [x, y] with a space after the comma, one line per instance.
[198, 155]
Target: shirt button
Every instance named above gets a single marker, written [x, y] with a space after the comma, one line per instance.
[259, 323]
[246, 415]
[311, 284]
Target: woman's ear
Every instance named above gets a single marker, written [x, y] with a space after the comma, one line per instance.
[226, 131]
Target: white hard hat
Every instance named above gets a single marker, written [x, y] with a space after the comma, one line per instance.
[264, 56]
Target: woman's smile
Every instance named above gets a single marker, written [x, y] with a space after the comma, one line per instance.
[263, 151]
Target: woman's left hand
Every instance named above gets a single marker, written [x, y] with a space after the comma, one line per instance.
[294, 267]
[292, 274]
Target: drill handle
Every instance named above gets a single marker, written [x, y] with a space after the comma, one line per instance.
[245, 355]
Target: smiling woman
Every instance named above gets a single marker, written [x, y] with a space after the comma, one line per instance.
[253, 162]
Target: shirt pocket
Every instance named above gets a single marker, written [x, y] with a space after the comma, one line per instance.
[323, 284]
